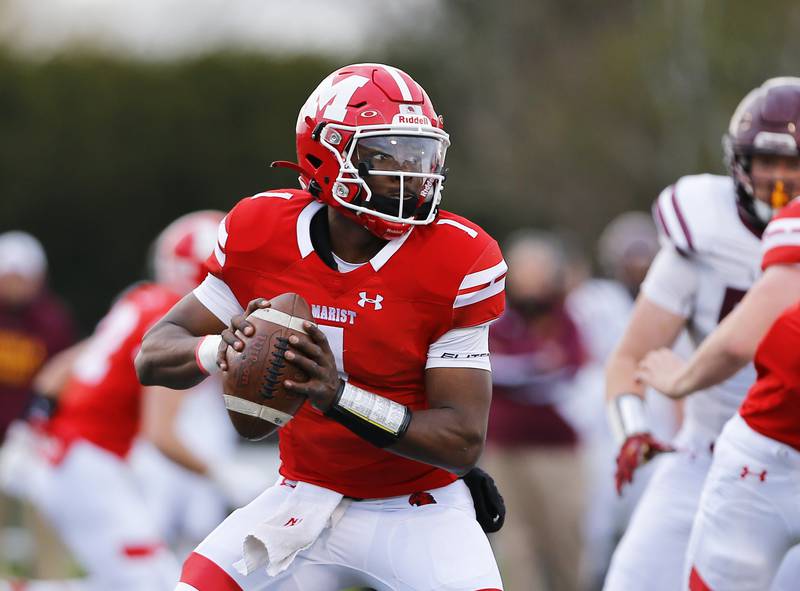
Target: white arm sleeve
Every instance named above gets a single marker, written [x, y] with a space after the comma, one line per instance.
[671, 282]
[461, 347]
[215, 295]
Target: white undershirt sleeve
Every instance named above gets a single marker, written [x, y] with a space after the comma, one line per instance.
[215, 295]
[461, 347]
[671, 282]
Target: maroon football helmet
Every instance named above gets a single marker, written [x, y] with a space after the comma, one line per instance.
[767, 121]
[373, 122]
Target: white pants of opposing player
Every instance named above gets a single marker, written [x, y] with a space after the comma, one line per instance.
[386, 544]
[92, 500]
[651, 553]
[749, 515]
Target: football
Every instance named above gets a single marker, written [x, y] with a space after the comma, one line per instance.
[256, 400]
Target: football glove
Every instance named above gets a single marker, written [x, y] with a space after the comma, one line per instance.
[490, 509]
[637, 450]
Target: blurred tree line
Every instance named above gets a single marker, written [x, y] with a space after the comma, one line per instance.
[562, 114]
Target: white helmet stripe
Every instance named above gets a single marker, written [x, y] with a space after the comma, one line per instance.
[405, 91]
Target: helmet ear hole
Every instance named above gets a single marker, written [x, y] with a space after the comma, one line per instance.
[313, 161]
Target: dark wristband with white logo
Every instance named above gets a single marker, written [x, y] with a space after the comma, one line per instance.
[379, 420]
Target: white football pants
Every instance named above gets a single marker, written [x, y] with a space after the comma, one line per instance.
[749, 515]
[651, 553]
[92, 501]
[387, 544]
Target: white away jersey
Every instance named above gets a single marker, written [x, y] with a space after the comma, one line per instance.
[708, 261]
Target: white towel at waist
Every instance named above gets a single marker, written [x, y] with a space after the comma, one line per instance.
[294, 526]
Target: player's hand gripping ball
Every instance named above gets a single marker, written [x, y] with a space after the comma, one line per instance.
[254, 368]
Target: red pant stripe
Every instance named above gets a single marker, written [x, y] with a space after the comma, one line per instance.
[142, 550]
[696, 583]
[205, 575]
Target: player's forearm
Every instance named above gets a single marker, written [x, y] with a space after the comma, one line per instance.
[621, 376]
[714, 362]
[442, 438]
[173, 449]
[167, 358]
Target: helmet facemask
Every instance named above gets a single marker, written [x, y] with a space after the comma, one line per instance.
[388, 172]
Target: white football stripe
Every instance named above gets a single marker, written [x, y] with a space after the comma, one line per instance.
[472, 233]
[278, 317]
[252, 409]
[219, 255]
[480, 295]
[782, 225]
[185, 587]
[778, 240]
[222, 232]
[272, 194]
[405, 91]
[485, 276]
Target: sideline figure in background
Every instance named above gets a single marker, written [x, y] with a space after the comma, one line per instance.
[403, 294]
[601, 307]
[34, 325]
[712, 227]
[533, 449]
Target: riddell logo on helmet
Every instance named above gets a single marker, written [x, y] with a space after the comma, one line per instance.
[410, 115]
[411, 120]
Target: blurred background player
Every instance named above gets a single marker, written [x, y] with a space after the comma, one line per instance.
[711, 226]
[532, 449]
[34, 326]
[89, 491]
[601, 306]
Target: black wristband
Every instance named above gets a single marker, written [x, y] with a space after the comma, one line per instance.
[374, 418]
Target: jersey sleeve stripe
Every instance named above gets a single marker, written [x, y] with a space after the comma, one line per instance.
[681, 220]
[489, 275]
[781, 239]
[781, 226]
[468, 299]
[667, 216]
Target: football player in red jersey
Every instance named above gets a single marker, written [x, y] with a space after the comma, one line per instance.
[403, 295]
[89, 492]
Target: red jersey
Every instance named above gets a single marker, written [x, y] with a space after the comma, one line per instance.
[102, 400]
[379, 319]
[772, 406]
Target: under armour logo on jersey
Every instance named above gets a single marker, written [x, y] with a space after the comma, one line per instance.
[365, 300]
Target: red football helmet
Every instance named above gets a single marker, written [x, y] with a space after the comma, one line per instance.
[767, 121]
[182, 247]
[370, 143]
